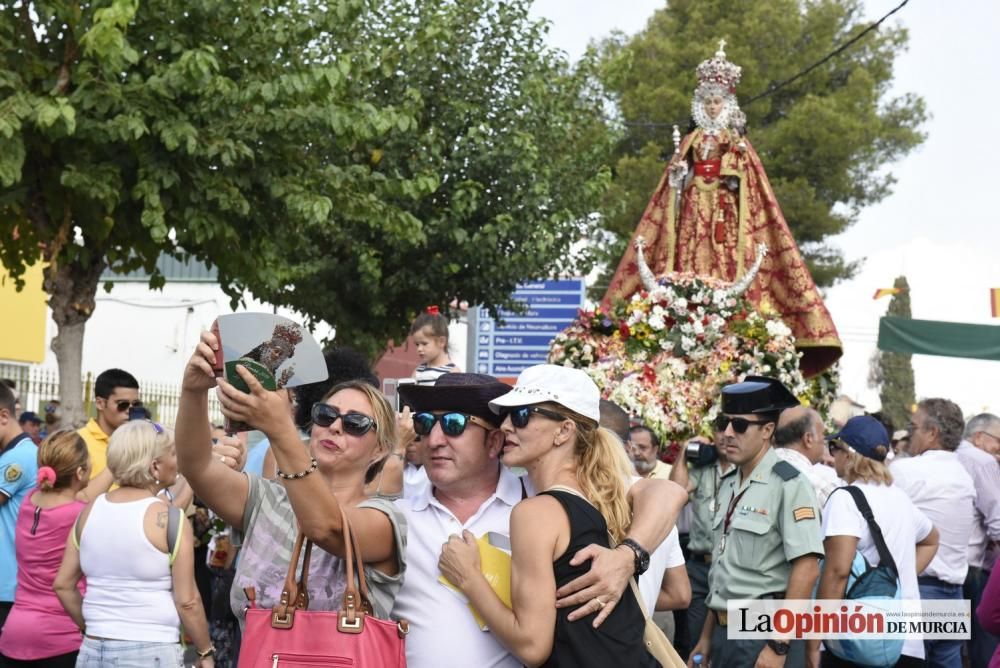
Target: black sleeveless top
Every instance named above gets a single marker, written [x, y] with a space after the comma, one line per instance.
[619, 640]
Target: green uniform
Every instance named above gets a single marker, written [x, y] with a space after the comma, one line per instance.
[705, 499]
[775, 519]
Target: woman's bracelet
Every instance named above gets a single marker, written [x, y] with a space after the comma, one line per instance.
[300, 474]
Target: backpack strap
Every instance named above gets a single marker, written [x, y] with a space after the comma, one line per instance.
[885, 557]
[174, 518]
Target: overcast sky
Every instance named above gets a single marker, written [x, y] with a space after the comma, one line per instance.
[941, 226]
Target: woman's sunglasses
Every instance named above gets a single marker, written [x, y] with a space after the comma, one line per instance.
[452, 424]
[354, 424]
[833, 445]
[520, 416]
[740, 425]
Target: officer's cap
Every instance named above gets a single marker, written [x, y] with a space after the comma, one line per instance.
[756, 394]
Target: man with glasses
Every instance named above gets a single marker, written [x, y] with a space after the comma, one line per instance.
[115, 392]
[644, 450]
[940, 487]
[471, 490]
[981, 441]
[767, 529]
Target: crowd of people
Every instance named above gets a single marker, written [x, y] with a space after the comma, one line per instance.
[131, 543]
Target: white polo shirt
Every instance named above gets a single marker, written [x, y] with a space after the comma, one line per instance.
[443, 633]
[939, 485]
[667, 555]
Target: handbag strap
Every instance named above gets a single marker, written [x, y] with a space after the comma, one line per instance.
[283, 613]
[355, 605]
[884, 556]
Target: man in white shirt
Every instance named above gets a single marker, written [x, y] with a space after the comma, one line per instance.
[938, 484]
[800, 441]
[470, 490]
[982, 433]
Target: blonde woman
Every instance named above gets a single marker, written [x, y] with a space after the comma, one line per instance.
[859, 451]
[140, 589]
[353, 431]
[582, 472]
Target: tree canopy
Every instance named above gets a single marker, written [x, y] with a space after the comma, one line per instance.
[825, 139]
[353, 160]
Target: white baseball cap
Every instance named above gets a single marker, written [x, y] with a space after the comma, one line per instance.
[570, 388]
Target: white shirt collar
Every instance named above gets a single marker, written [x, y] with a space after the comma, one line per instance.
[509, 490]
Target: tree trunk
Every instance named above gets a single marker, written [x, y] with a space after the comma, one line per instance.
[72, 288]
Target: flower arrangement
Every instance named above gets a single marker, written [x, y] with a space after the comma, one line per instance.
[664, 354]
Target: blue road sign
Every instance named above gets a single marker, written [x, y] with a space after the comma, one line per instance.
[507, 348]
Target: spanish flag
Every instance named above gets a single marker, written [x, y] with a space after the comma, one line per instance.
[886, 292]
[995, 301]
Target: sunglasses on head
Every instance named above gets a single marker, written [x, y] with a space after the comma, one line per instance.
[519, 416]
[740, 425]
[452, 424]
[122, 405]
[354, 424]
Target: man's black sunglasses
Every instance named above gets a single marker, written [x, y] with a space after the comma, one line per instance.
[355, 424]
[452, 423]
[122, 405]
[740, 425]
[519, 416]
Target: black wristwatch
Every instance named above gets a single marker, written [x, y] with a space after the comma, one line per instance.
[641, 556]
[779, 647]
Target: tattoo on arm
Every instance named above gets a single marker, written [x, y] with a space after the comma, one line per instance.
[161, 519]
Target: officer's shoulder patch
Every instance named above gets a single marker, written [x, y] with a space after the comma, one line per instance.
[804, 513]
[13, 473]
[785, 470]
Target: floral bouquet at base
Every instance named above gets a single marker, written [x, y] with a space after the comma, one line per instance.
[664, 354]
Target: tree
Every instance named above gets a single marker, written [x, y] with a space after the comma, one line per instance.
[824, 139]
[893, 372]
[187, 128]
[282, 142]
[514, 147]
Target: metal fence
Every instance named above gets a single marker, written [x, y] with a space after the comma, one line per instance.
[37, 386]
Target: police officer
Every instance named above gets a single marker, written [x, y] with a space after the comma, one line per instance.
[703, 483]
[766, 528]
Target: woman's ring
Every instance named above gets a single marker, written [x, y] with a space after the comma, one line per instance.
[600, 603]
[222, 458]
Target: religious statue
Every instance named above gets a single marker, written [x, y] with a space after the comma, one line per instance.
[712, 211]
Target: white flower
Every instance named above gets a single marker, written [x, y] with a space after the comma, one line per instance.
[655, 322]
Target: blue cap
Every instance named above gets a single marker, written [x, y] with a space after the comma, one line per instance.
[28, 416]
[866, 436]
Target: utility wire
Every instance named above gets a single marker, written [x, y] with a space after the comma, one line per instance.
[781, 84]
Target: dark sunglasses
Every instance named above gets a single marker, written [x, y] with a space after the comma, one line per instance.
[740, 425]
[519, 416]
[122, 405]
[452, 424]
[355, 424]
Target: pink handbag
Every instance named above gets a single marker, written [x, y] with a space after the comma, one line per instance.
[292, 635]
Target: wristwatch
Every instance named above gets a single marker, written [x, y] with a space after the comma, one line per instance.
[641, 556]
[779, 647]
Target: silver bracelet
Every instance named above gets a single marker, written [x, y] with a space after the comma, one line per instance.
[300, 474]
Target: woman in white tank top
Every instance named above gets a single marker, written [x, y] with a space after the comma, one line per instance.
[139, 589]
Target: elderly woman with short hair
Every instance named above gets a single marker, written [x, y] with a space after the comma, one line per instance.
[140, 588]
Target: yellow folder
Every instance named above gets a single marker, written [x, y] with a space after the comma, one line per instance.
[495, 565]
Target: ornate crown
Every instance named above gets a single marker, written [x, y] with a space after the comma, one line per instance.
[719, 71]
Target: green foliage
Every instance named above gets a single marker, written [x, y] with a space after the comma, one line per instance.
[895, 370]
[355, 160]
[824, 139]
